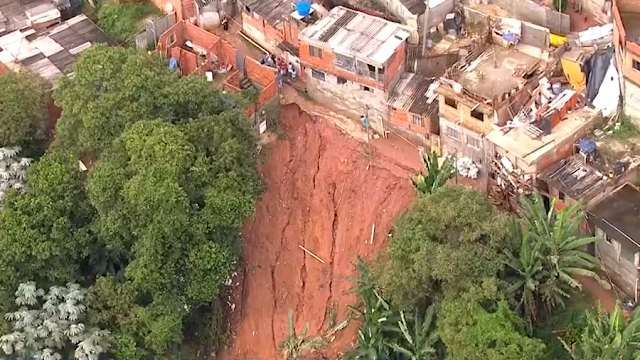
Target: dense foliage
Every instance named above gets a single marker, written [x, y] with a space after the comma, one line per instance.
[490, 281]
[153, 226]
[123, 20]
[449, 240]
[23, 99]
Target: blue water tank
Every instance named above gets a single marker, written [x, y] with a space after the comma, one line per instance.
[303, 8]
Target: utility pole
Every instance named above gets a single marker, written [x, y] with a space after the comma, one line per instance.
[365, 123]
[425, 28]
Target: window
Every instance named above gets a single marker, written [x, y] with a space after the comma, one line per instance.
[315, 51]
[608, 239]
[344, 62]
[317, 74]
[171, 39]
[366, 88]
[476, 113]
[561, 195]
[636, 65]
[341, 80]
[474, 142]
[450, 102]
[417, 120]
[452, 133]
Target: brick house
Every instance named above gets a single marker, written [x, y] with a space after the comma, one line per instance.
[353, 60]
[411, 113]
[269, 22]
[626, 40]
[198, 51]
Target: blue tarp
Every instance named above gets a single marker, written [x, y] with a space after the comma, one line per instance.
[173, 63]
[587, 146]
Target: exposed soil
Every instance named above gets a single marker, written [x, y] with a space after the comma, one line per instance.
[319, 195]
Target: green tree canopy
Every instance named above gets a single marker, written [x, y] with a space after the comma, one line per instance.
[470, 331]
[153, 226]
[449, 239]
[23, 99]
[114, 87]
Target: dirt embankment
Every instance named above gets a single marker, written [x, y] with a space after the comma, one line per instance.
[319, 195]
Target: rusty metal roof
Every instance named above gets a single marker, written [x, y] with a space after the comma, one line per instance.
[357, 34]
[410, 94]
[576, 179]
[273, 11]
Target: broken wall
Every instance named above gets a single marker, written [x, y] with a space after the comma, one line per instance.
[538, 14]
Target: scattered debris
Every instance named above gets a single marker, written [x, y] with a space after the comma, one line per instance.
[467, 168]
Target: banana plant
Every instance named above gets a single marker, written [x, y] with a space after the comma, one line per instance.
[298, 344]
[608, 336]
[436, 175]
[418, 338]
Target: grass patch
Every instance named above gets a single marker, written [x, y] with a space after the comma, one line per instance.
[272, 111]
[624, 128]
[123, 21]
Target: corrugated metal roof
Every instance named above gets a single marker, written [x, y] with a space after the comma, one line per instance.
[273, 11]
[410, 94]
[576, 179]
[52, 52]
[354, 33]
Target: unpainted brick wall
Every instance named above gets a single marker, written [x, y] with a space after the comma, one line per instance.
[232, 82]
[263, 33]
[176, 30]
[263, 75]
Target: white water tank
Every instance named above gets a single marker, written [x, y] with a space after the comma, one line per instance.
[210, 19]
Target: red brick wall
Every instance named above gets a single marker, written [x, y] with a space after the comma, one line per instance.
[272, 36]
[291, 32]
[178, 31]
[232, 83]
[403, 119]
[229, 53]
[199, 36]
[261, 74]
[395, 64]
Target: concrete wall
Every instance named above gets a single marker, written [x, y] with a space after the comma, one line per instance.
[535, 35]
[349, 98]
[632, 100]
[595, 7]
[538, 14]
[622, 268]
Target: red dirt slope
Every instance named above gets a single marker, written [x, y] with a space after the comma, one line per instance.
[320, 195]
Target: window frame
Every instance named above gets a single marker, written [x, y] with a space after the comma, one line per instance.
[316, 75]
[419, 122]
[315, 52]
[448, 131]
[449, 101]
[474, 139]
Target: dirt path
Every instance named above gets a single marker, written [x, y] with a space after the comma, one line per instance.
[319, 195]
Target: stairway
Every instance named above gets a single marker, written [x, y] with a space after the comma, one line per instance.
[245, 83]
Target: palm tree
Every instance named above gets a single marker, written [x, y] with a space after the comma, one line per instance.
[529, 270]
[562, 246]
[608, 336]
[418, 340]
[436, 175]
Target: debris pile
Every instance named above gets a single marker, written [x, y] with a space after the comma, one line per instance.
[467, 168]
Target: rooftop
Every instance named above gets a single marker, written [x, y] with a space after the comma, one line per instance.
[273, 11]
[492, 74]
[50, 53]
[21, 14]
[576, 178]
[410, 94]
[517, 142]
[357, 34]
[618, 214]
